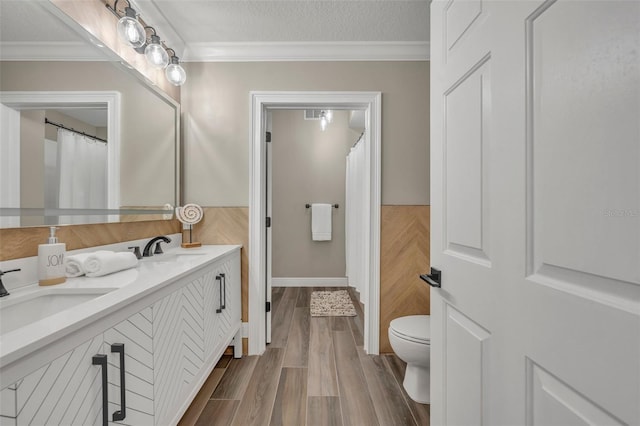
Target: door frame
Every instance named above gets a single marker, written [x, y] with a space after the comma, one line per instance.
[260, 101]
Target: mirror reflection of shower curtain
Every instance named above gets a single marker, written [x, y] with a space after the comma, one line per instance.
[81, 175]
[354, 223]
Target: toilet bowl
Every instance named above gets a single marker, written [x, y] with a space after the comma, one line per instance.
[410, 339]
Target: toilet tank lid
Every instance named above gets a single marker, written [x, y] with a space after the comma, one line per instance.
[415, 326]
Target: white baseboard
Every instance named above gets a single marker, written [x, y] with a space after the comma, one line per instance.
[309, 282]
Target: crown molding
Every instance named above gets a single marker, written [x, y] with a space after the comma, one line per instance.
[49, 51]
[306, 51]
[153, 16]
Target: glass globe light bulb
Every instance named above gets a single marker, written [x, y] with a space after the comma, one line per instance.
[130, 30]
[175, 73]
[155, 53]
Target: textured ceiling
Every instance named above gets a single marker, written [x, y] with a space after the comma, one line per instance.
[296, 21]
[251, 30]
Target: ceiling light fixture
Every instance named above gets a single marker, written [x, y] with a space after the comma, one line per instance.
[323, 120]
[129, 29]
[329, 115]
[174, 72]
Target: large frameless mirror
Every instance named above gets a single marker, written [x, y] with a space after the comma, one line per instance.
[82, 140]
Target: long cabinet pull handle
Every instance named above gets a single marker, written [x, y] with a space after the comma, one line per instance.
[122, 413]
[224, 286]
[219, 279]
[101, 360]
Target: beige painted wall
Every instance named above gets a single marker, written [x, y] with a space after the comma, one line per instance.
[216, 120]
[308, 166]
[147, 144]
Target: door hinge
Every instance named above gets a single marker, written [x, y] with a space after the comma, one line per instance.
[268, 306]
[268, 222]
[268, 138]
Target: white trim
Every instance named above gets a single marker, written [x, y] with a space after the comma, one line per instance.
[153, 16]
[371, 102]
[245, 330]
[42, 100]
[309, 282]
[49, 51]
[306, 51]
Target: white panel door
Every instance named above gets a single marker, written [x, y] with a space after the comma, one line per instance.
[535, 183]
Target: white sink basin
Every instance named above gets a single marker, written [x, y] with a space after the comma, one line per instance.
[20, 310]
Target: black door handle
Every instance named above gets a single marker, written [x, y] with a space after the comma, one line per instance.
[101, 360]
[219, 279]
[224, 290]
[434, 279]
[122, 413]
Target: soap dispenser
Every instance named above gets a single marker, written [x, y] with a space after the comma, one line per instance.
[51, 268]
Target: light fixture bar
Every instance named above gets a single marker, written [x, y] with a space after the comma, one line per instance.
[132, 32]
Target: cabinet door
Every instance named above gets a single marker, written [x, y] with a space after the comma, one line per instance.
[66, 391]
[178, 341]
[230, 315]
[212, 303]
[136, 333]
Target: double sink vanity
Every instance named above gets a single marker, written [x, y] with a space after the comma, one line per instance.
[132, 347]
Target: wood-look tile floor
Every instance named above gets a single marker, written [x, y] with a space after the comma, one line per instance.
[313, 373]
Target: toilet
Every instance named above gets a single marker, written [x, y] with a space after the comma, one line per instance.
[410, 339]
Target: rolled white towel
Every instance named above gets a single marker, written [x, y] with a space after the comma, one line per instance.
[73, 264]
[99, 264]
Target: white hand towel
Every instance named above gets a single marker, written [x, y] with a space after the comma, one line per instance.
[321, 222]
[99, 264]
[73, 264]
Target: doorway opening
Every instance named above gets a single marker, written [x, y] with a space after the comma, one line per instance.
[261, 104]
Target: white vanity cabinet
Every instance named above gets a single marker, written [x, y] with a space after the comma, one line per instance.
[168, 347]
[192, 328]
[66, 391]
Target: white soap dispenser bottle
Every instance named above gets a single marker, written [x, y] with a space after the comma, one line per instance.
[51, 268]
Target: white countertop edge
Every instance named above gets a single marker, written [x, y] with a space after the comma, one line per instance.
[149, 279]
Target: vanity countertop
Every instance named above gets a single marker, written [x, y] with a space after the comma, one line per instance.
[126, 287]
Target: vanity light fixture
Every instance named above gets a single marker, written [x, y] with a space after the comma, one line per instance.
[129, 29]
[154, 52]
[174, 71]
[132, 31]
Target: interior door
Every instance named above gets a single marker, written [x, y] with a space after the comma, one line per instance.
[535, 189]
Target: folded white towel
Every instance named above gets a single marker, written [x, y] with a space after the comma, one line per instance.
[99, 264]
[321, 221]
[73, 264]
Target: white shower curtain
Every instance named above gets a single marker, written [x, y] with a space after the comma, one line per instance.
[354, 223]
[82, 175]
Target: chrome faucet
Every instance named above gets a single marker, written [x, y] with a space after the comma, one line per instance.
[3, 291]
[156, 240]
